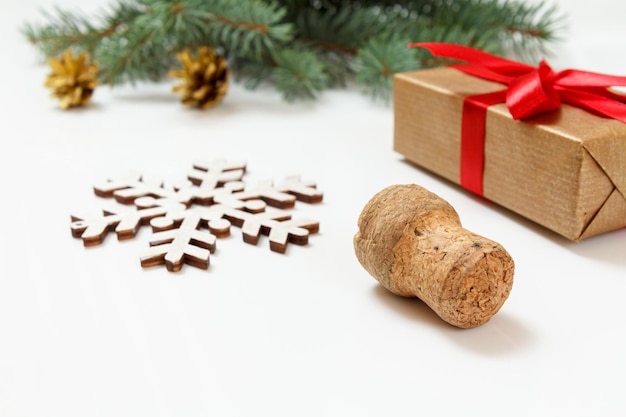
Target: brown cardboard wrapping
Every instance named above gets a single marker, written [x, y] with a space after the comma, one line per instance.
[565, 170]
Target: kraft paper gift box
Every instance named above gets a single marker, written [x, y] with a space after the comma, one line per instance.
[564, 169]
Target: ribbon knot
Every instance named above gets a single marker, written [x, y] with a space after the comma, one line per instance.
[529, 91]
[533, 93]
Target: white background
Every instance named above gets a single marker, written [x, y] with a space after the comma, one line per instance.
[88, 332]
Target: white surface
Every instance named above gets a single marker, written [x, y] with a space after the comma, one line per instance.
[310, 333]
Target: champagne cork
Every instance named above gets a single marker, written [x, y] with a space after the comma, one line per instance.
[412, 242]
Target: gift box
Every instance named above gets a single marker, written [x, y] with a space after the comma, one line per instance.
[564, 169]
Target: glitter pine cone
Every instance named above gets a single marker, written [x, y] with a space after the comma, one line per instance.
[204, 78]
[72, 80]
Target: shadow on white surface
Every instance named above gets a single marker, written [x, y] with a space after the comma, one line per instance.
[609, 247]
[502, 335]
[143, 97]
[237, 100]
[411, 308]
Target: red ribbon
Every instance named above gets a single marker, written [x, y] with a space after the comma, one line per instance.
[529, 91]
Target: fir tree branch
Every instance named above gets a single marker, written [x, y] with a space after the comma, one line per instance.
[73, 30]
[253, 30]
[379, 60]
[300, 46]
[299, 74]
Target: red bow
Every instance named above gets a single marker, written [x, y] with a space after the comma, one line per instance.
[529, 91]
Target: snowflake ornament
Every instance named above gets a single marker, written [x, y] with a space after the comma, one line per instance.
[187, 218]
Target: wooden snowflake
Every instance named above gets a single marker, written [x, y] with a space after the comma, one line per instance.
[187, 218]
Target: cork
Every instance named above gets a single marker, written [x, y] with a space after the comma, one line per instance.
[412, 242]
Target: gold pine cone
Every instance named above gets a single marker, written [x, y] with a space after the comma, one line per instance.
[204, 78]
[72, 80]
